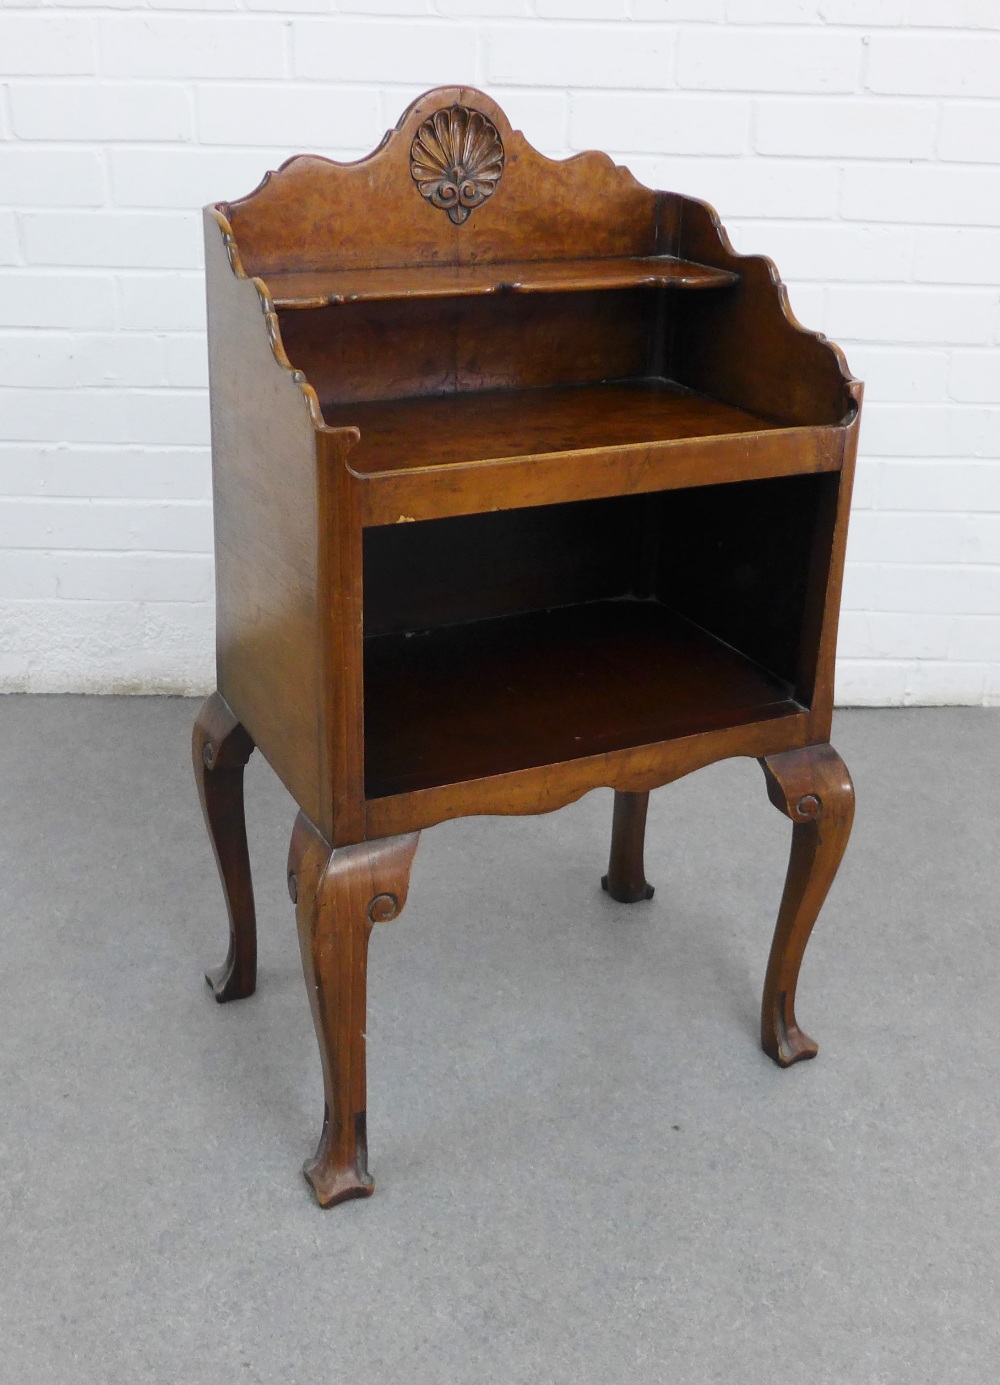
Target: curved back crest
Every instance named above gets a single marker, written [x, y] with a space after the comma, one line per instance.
[392, 209]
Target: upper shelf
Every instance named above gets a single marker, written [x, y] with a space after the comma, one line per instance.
[318, 288]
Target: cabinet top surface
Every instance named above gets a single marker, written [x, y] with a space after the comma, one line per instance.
[454, 204]
[407, 434]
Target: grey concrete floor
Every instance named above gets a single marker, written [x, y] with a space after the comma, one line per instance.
[587, 1171]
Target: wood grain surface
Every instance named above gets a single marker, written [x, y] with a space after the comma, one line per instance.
[525, 484]
[318, 288]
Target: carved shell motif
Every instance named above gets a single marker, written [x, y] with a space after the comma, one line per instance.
[456, 160]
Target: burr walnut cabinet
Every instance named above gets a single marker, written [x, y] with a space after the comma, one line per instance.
[525, 484]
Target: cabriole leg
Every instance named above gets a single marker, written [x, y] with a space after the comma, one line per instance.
[338, 896]
[220, 748]
[813, 788]
[626, 878]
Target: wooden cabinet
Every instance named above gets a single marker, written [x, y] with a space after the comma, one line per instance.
[525, 484]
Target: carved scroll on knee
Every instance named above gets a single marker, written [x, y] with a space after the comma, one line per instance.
[809, 785]
[221, 739]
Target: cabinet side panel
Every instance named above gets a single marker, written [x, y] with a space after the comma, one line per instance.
[264, 476]
[743, 345]
[823, 610]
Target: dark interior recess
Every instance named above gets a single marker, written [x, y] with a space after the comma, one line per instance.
[500, 641]
[352, 352]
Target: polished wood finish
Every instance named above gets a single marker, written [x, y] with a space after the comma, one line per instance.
[790, 373]
[437, 492]
[506, 425]
[220, 749]
[813, 788]
[267, 559]
[411, 347]
[626, 878]
[319, 289]
[339, 895]
[314, 214]
[525, 484]
[571, 682]
[635, 770]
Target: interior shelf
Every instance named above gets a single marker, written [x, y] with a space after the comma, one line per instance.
[318, 288]
[468, 701]
[438, 430]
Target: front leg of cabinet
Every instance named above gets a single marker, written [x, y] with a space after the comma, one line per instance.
[813, 788]
[339, 895]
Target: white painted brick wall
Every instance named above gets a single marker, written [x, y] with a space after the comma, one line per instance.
[857, 142]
